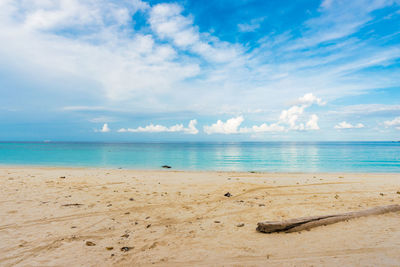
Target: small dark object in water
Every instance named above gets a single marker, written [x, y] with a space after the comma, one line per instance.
[166, 167]
[125, 249]
[90, 243]
[228, 194]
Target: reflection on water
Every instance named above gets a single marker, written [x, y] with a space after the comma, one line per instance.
[273, 156]
[314, 159]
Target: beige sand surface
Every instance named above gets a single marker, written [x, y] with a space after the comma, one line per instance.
[171, 218]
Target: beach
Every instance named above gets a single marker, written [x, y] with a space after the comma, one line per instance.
[116, 217]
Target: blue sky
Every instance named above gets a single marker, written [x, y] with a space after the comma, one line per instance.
[218, 70]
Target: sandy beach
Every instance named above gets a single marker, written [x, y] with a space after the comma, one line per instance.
[101, 217]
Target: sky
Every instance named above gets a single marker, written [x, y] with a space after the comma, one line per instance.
[222, 70]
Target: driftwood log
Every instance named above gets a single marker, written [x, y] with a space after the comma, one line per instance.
[305, 223]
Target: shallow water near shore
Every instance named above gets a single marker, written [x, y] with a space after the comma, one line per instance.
[266, 156]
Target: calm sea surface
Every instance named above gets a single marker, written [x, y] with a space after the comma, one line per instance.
[271, 156]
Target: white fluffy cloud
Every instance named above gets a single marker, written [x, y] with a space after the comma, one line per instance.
[309, 99]
[395, 122]
[312, 123]
[104, 129]
[231, 126]
[289, 117]
[191, 129]
[346, 125]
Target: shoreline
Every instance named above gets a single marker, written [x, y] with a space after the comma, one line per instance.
[181, 218]
[23, 166]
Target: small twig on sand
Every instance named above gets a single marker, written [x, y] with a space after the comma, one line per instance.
[72, 205]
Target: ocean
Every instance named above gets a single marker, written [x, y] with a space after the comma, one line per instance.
[249, 156]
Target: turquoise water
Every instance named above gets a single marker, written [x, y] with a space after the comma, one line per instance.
[271, 156]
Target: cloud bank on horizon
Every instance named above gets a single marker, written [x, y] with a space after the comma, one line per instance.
[252, 69]
[191, 129]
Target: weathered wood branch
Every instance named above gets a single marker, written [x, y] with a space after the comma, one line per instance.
[306, 223]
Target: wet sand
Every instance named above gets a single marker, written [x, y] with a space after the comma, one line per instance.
[83, 217]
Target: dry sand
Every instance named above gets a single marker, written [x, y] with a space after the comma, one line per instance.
[170, 218]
